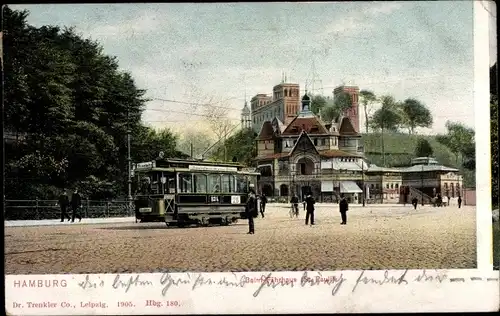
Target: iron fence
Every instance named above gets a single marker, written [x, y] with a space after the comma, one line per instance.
[48, 209]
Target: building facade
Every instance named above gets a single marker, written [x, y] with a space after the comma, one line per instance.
[310, 156]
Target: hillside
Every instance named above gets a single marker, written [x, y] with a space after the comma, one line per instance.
[400, 149]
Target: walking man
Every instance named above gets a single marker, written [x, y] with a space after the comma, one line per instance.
[63, 202]
[343, 208]
[414, 202]
[76, 202]
[251, 209]
[459, 201]
[294, 201]
[309, 202]
[263, 202]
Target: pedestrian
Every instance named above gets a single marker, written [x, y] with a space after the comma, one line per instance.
[63, 202]
[309, 202]
[414, 202]
[448, 196]
[251, 209]
[263, 202]
[459, 201]
[343, 208]
[294, 201]
[76, 202]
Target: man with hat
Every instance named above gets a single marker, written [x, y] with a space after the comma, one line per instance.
[309, 208]
[251, 209]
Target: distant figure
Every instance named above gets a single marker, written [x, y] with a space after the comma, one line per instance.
[459, 201]
[414, 202]
[63, 202]
[251, 209]
[309, 202]
[294, 201]
[439, 200]
[448, 200]
[343, 208]
[263, 202]
[76, 202]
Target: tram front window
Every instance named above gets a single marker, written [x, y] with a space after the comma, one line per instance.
[185, 183]
[200, 183]
[214, 183]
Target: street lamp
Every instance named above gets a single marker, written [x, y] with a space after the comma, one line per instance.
[422, 184]
[363, 181]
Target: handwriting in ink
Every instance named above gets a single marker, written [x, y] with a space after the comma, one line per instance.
[319, 279]
[136, 281]
[387, 279]
[200, 281]
[90, 284]
[271, 282]
[424, 277]
[167, 281]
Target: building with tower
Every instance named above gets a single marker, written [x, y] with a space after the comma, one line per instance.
[246, 117]
[283, 104]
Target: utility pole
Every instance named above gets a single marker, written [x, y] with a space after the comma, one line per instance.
[129, 160]
[191, 150]
[363, 180]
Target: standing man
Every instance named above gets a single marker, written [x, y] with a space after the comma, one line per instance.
[263, 202]
[459, 201]
[414, 202]
[63, 202]
[76, 202]
[343, 208]
[309, 202]
[251, 209]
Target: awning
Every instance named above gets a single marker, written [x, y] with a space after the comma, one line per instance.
[327, 186]
[349, 187]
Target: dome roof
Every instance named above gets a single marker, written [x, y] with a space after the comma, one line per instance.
[306, 98]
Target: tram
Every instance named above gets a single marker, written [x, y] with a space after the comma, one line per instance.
[185, 192]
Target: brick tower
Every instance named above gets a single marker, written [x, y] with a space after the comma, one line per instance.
[353, 112]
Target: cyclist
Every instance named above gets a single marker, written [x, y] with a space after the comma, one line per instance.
[295, 205]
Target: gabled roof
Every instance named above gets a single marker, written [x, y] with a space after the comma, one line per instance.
[310, 125]
[266, 131]
[346, 128]
[303, 137]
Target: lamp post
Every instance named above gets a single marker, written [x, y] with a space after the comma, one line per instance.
[363, 181]
[422, 184]
[129, 160]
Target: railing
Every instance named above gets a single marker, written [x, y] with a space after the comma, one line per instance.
[419, 195]
[48, 209]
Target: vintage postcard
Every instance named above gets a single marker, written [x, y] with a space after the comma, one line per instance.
[244, 158]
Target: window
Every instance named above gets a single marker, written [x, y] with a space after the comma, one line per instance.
[213, 183]
[185, 182]
[387, 185]
[227, 185]
[372, 186]
[396, 186]
[171, 185]
[200, 183]
[315, 142]
[241, 184]
[392, 185]
[302, 168]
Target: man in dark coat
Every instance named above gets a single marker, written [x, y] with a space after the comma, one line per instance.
[343, 208]
[76, 202]
[459, 201]
[295, 205]
[263, 202]
[251, 209]
[310, 208]
[414, 202]
[63, 202]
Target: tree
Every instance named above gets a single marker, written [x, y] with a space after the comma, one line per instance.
[423, 148]
[197, 140]
[367, 99]
[342, 101]
[240, 147]
[318, 102]
[330, 112]
[386, 118]
[415, 115]
[457, 139]
[220, 124]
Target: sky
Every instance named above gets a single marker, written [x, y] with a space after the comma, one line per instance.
[224, 53]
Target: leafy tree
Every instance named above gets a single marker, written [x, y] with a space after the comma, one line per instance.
[318, 102]
[415, 115]
[457, 139]
[367, 99]
[342, 101]
[387, 118]
[200, 141]
[423, 148]
[240, 146]
[328, 113]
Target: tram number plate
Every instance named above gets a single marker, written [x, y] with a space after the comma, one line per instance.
[214, 199]
[235, 199]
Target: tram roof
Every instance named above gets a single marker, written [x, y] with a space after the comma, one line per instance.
[167, 161]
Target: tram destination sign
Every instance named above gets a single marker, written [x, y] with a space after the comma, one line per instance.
[212, 168]
[144, 165]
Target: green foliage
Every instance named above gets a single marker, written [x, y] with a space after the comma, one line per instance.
[342, 101]
[415, 114]
[73, 107]
[367, 99]
[387, 118]
[328, 113]
[318, 102]
[460, 140]
[423, 149]
[240, 146]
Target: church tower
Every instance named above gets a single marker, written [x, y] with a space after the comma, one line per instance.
[246, 117]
